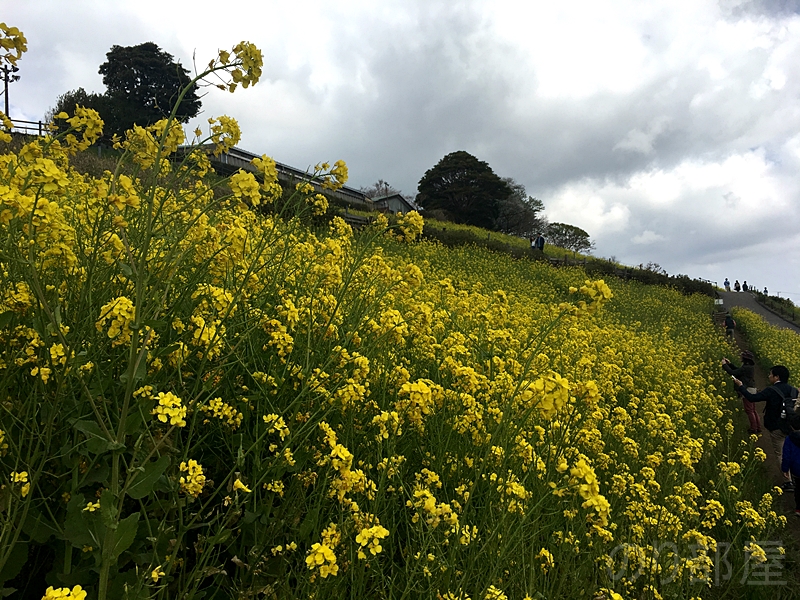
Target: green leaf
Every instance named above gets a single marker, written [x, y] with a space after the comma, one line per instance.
[128, 586]
[97, 442]
[15, 562]
[38, 527]
[76, 527]
[309, 524]
[220, 538]
[122, 537]
[155, 325]
[166, 350]
[108, 509]
[6, 318]
[134, 422]
[97, 474]
[141, 372]
[125, 269]
[145, 480]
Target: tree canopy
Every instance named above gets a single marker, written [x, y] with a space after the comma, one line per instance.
[142, 82]
[520, 214]
[569, 237]
[465, 189]
[379, 189]
[67, 102]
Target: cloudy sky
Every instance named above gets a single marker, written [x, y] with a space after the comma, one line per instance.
[670, 131]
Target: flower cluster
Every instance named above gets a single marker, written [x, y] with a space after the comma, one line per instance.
[117, 314]
[170, 409]
[244, 62]
[193, 482]
[13, 43]
[226, 413]
[76, 593]
[369, 539]
[321, 556]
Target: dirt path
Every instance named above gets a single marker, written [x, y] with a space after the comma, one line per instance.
[784, 504]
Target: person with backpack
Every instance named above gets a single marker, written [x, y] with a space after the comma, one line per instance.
[790, 465]
[730, 326]
[778, 400]
[746, 374]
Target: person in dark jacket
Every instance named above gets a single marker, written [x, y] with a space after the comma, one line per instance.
[790, 464]
[773, 397]
[730, 326]
[745, 374]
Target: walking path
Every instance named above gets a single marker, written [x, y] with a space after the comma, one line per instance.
[748, 301]
[785, 504]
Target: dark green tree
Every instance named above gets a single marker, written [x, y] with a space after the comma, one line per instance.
[520, 214]
[67, 102]
[143, 83]
[464, 189]
[569, 237]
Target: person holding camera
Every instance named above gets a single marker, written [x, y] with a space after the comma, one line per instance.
[746, 374]
[778, 398]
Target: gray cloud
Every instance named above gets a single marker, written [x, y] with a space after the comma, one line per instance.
[701, 149]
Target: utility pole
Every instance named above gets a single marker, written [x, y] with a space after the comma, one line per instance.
[7, 70]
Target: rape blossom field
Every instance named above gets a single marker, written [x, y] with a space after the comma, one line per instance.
[775, 346]
[205, 397]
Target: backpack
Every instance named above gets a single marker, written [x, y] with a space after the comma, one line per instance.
[788, 410]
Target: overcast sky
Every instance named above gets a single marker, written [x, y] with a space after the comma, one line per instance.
[670, 131]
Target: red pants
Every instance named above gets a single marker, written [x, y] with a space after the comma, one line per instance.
[752, 415]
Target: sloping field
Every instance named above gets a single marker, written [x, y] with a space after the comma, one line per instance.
[201, 401]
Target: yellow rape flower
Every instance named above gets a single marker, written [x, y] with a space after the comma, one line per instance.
[239, 486]
[118, 314]
[192, 484]
[76, 593]
[244, 185]
[170, 408]
[322, 557]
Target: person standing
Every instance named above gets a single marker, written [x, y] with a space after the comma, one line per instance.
[539, 242]
[730, 326]
[746, 374]
[744, 286]
[790, 463]
[727, 285]
[736, 286]
[773, 398]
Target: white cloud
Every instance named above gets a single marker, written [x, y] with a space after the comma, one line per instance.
[642, 141]
[647, 237]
